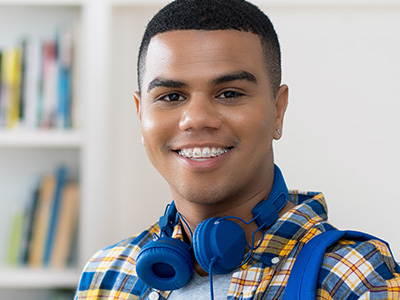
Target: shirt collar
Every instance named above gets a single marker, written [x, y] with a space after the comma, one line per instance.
[279, 240]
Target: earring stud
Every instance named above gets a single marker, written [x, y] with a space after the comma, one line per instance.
[278, 131]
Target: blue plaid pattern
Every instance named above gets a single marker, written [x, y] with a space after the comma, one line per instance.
[350, 270]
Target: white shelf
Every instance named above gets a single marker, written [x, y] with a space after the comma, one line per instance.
[139, 2]
[40, 139]
[25, 278]
[43, 2]
[297, 3]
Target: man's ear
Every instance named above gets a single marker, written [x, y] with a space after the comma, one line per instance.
[136, 95]
[281, 103]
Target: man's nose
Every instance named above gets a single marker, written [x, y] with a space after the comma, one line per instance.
[200, 112]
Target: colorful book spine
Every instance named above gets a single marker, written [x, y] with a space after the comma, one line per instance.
[65, 59]
[49, 87]
[2, 96]
[42, 221]
[54, 213]
[66, 226]
[11, 75]
[31, 209]
[15, 238]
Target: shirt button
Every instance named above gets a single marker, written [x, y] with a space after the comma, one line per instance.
[275, 260]
[154, 296]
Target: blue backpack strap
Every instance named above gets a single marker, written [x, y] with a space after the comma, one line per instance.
[302, 283]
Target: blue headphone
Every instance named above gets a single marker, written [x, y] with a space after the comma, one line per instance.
[219, 244]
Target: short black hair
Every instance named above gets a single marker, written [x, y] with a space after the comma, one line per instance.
[216, 15]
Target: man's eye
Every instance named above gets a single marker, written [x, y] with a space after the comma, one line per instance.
[172, 97]
[230, 94]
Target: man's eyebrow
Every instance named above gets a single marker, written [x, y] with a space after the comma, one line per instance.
[241, 75]
[169, 83]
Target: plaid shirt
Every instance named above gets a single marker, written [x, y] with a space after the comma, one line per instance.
[350, 270]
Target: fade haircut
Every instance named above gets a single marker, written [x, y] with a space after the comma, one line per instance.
[216, 15]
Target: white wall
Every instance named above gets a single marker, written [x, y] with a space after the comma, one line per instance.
[341, 137]
[342, 65]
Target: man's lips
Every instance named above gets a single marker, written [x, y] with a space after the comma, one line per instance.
[203, 152]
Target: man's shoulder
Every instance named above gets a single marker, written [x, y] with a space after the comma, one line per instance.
[355, 269]
[124, 251]
[113, 267]
[129, 245]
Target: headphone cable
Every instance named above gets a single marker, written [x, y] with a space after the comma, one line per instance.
[213, 260]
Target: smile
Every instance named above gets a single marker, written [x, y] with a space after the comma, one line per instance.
[202, 153]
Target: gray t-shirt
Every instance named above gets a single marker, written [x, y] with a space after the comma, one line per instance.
[199, 288]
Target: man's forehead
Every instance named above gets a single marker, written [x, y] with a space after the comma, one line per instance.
[230, 50]
[194, 43]
[175, 37]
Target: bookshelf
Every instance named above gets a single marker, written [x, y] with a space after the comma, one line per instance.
[26, 153]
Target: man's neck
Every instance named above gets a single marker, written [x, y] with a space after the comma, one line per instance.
[194, 213]
[248, 229]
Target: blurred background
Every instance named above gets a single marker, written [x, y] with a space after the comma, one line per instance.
[74, 177]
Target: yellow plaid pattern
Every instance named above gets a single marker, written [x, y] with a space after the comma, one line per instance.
[350, 270]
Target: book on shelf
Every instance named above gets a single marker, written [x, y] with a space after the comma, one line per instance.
[2, 109]
[42, 221]
[54, 213]
[11, 86]
[36, 83]
[42, 234]
[29, 217]
[31, 79]
[65, 232]
[14, 243]
[65, 54]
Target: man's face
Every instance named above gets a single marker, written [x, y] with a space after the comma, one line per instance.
[208, 115]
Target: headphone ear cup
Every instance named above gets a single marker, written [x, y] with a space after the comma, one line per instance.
[165, 264]
[220, 238]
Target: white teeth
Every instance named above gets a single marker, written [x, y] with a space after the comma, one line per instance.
[214, 151]
[206, 152]
[197, 153]
[187, 152]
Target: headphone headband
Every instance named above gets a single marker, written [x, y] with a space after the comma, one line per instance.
[168, 220]
[266, 212]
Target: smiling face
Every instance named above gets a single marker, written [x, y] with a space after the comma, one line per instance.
[208, 115]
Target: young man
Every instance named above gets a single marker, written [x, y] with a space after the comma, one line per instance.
[210, 103]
